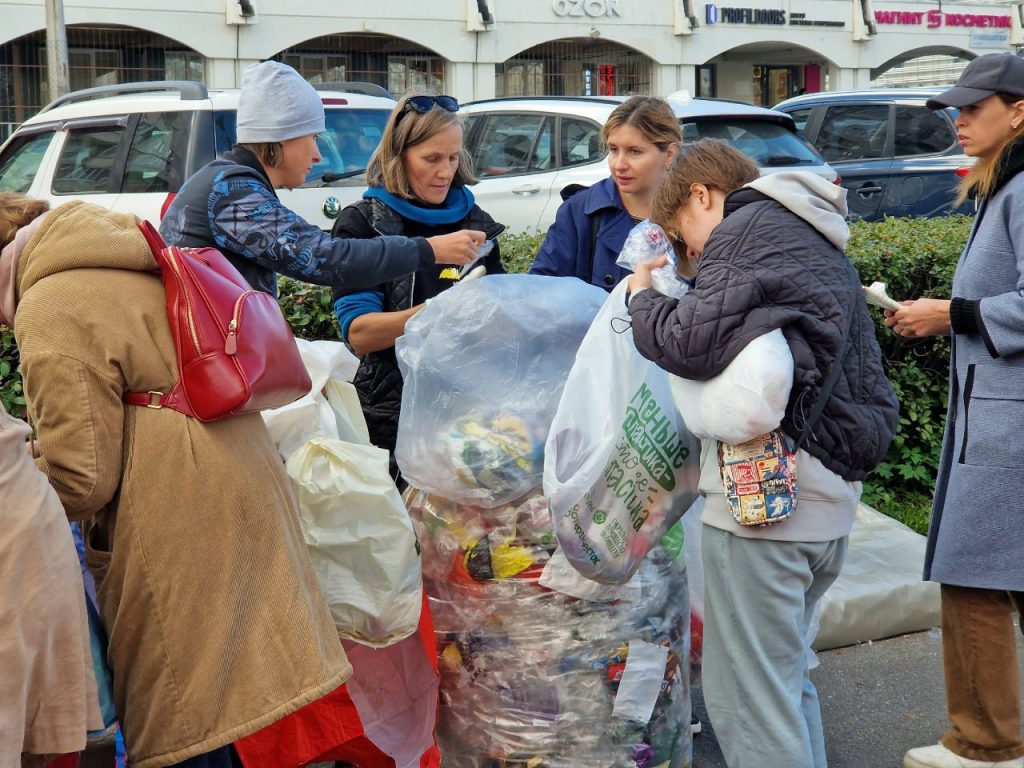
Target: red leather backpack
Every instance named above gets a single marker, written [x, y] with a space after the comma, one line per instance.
[236, 352]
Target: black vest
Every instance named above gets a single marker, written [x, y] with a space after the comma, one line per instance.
[378, 379]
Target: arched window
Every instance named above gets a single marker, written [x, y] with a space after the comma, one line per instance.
[398, 65]
[97, 55]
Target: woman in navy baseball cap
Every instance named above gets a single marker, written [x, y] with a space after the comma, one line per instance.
[975, 550]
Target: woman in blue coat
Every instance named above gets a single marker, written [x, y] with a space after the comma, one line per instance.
[975, 548]
[642, 136]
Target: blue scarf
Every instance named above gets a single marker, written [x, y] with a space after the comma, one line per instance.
[456, 207]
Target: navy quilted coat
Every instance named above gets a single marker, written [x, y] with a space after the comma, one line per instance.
[765, 267]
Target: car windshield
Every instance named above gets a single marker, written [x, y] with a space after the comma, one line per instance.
[351, 137]
[768, 144]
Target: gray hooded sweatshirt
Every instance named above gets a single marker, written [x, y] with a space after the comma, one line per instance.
[776, 261]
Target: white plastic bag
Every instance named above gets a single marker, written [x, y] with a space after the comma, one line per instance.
[328, 363]
[617, 454]
[360, 539]
[483, 367]
[745, 400]
[879, 592]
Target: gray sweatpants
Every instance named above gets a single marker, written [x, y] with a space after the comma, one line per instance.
[759, 599]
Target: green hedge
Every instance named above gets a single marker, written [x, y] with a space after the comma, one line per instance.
[915, 257]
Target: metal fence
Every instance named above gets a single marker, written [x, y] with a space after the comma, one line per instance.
[96, 56]
[397, 64]
[575, 67]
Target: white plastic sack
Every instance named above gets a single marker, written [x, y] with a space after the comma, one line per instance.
[880, 592]
[618, 453]
[745, 400]
[312, 415]
[360, 539]
[483, 367]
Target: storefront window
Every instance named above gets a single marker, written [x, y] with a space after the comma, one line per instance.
[318, 67]
[521, 78]
[408, 73]
[706, 81]
[185, 65]
[774, 84]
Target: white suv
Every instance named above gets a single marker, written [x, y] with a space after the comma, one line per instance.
[526, 150]
[130, 147]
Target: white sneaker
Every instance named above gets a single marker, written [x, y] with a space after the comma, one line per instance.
[937, 756]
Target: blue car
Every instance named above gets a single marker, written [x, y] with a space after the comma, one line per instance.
[894, 155]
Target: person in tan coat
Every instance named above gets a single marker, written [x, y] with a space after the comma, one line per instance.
[217, 626]
[48, 695]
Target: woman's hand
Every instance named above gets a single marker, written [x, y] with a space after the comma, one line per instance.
[458, 247]
[920, 318]
[641, 278]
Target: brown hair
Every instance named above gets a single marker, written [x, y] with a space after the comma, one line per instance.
[270, 153]
[984, 175]
[711, 162]
[651, 116]
[406, 128]
[16, 211]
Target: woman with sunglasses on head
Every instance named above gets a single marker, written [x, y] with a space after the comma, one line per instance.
[642, 136]
[419, 178]
[974, 543]
[230, 203]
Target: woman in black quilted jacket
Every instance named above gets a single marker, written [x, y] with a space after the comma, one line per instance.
[419, 187]
[769, 254]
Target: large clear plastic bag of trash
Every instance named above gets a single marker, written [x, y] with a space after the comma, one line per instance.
[745, 400]
[483, 367]
[647, 242]
[620, 466]
[540, 666]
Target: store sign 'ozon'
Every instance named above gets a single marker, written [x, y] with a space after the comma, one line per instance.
[592, 8]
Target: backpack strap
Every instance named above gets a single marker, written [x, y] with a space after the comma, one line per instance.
[825, 392]
[153, 400]
[153, 240]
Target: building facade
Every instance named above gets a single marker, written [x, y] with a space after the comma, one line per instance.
[754, 50]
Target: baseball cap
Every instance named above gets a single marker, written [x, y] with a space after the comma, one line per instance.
[984, 76]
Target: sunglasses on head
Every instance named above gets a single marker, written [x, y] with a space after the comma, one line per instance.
[423, 104]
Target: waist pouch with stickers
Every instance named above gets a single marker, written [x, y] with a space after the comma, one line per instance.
[759, 478]
[759, 475]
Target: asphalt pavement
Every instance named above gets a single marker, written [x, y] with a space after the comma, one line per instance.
[878, 700]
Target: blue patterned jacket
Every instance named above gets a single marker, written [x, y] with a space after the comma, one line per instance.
[230, 204]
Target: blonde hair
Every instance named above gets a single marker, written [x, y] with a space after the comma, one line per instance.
[984, 175]
[406, 128]
[711, 162]
[651, 116]
[270, 153]
[17, 211]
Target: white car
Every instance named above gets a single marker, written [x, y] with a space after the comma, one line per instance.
[130, 147]
[527, 150]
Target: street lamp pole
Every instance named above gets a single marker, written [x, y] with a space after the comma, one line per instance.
[56, 49]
